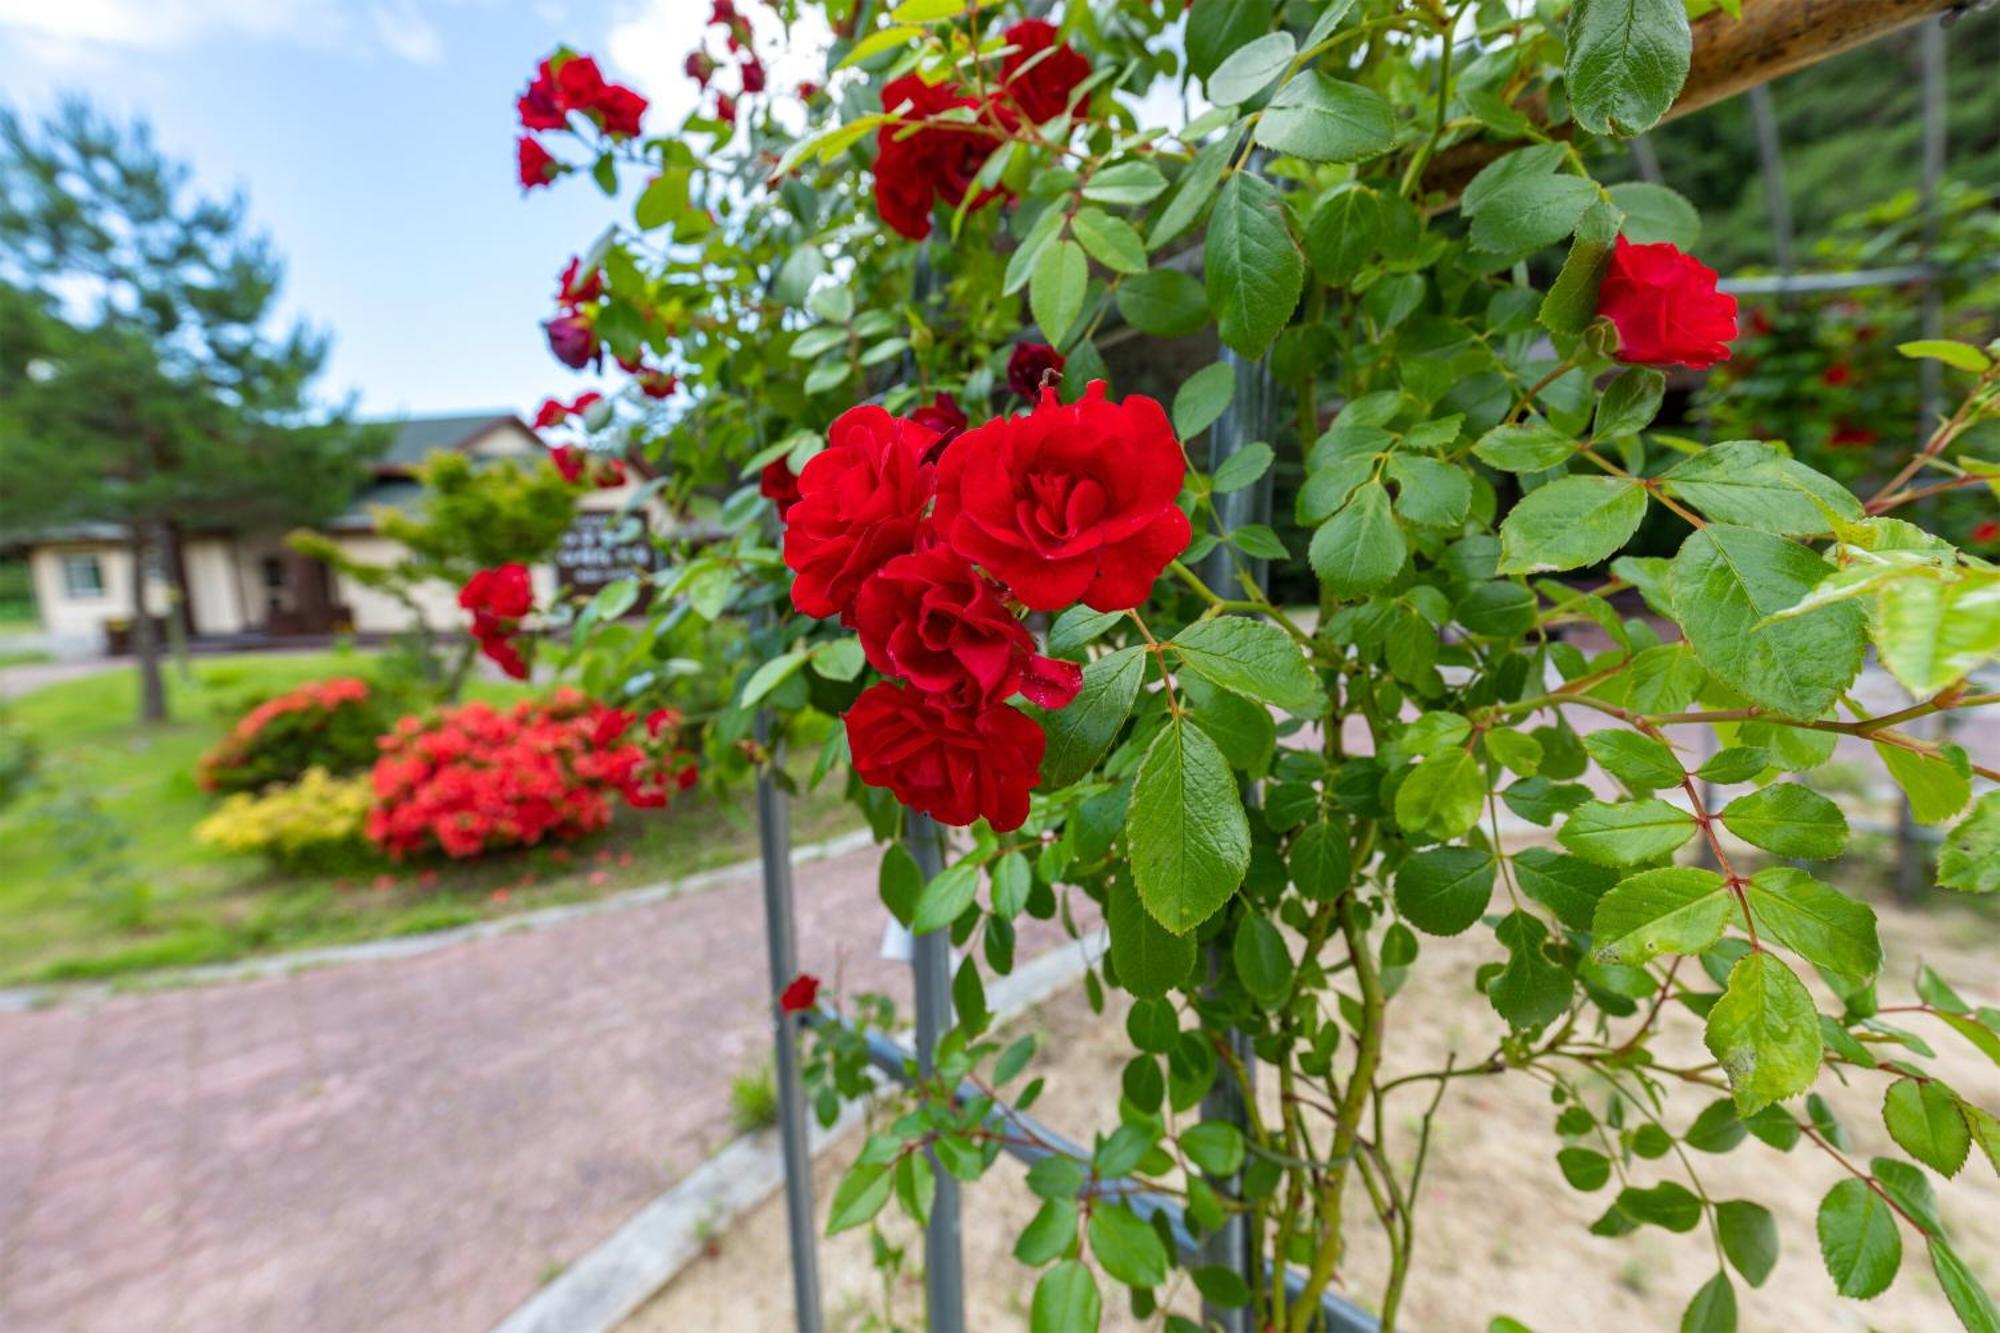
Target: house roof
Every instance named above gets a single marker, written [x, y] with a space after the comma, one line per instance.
[417, 438]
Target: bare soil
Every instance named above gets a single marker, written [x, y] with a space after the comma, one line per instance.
[1499, 1231]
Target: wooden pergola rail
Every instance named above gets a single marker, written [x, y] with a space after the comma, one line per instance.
[1771, 40]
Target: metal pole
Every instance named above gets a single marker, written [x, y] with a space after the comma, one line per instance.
[1911, 863]
[774, 840]
[1771, 164]
[930, 962]
[1646, 161]
[1247, 419]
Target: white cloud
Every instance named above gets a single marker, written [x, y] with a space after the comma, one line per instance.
[393, 26]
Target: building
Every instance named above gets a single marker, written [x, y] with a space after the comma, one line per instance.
[246, 588]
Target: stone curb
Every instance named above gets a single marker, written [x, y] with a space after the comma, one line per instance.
[19, 999]
[602, 1289]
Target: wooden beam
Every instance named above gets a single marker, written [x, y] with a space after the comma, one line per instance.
[1772, 39]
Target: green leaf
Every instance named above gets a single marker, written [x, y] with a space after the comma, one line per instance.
[1924, 1120]
[1667, 1204]
[900, 882]
[1528, 446]
[1443, 796]
[1202, 397]
[1151, 961]
[1214, 1145]
[1677, 910]
[859, 1196]
[1125, 185]
[1765, 1032]
[1626, 62]
[1571, 303]
[1430, 491]
[1243, 468]
[1163, 303]
[1859, 1241]
[1330, 487]
[1568, 886]
[1733, 764]
[1816, 921]
[1931, 631]
[1253, 658]
[1754, 484]
[1443, 890]
[1078, 626]
[1654, 213]
[1243, 731]
[1789, 819]
[1066, 1301]
[1361, 548]
[1324, 120]
[1263, 964]
[1713, 1309]
[1571, 522]
[1968, 1298]
[1640, 762]
[1252, 264]
[1249, 68]
[1109, 240]
[1583, 1169]
[1079, 733]
[1189, 838]
[1041, 236]
[1626, 833]
[771, 675]
[1342, 233]
[1531, 163]
[1049, 1235]
[1530, 212]
[1320, 863]
[948, 894]
[1726, 581]
[1530, 991]
[1957, 355]
[1196, 186]
[1125, 1247]
[1519, 752]
[1629, 403]
[1970, 858]
[1055, 292]
[1749, 1237]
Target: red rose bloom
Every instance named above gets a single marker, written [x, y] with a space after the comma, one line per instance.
[616, 108]
[1665, 307]
[1039, 76]
[753, 75]
[1986, 533]
[1029, 365]
[572, 339]
[1847, 435]
[944, 416]
[700, 66]
[1836, 375]
[808, 90]
[620, 110]
[799, 995]
[541, 105]
[537, 167]
[1068, 502]
[938, 623]
[506, 592]
[573, 290]
[861, 502]
[725, 108]
[571, 462]
[657, 383]
[553, 412]
[914, 170]
[952, 765]
[777, 484]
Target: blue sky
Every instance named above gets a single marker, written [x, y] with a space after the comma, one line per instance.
[374, 139]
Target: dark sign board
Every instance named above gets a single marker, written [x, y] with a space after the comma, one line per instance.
[601, 548]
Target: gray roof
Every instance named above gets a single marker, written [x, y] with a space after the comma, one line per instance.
[417, 438]
[389, 493]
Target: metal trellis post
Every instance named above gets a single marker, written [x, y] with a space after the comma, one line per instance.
[774, 839]
[930, 962]
[1771, 165]
[1247, 419]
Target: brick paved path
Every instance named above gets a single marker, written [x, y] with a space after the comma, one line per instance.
[401, 1145]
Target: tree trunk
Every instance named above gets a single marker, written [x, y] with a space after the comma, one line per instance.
[145, 644]
[180, 611]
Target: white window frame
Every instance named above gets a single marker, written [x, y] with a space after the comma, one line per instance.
[71, 563]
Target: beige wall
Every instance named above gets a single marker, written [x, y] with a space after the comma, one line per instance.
[213, 586]
[81, 618]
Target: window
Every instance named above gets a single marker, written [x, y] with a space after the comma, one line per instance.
[82, 576]
[273, 570]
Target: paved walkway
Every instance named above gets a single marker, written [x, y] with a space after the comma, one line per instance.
[411, 1144]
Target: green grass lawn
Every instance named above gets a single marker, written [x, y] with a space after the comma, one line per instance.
[102, 877]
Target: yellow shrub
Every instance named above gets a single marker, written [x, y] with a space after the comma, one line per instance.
[317, 818]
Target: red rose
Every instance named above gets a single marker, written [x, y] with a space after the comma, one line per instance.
[938, 623]
[572, 339]
[944, 416]
[620, 110]
[861, 502]
[1069, 501]
[914, 170]
[506, 592]
[571, 462]
[553, 412]
[573, 290]
[537, 167]
[753, 75]
[777, 484]
[1847, 435]
[1028, 367]
[953, 766]
[799, 995]
[541, 106]
[1665, 307]
[700, 66]
[658, 383]
[725, 108]
[1039, 76]
[1986, 533]
[1836, 375]
[808, 90]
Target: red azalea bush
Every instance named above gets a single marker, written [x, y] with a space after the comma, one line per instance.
[329, 724]
[476, 779]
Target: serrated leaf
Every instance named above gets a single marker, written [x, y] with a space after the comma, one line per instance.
[1253, 658]
[1202, 397]
[1252, 265]
[1816, 921]
[1924, 1120]
[1443, 890]
[1749, 1237]
[1109, 240]
[1765, 1032]
[1079, 733]
[1056, 289]
[1361, 548]
[1675, 910]
[1626, 62]
[1789, 819]
[1325, 120]
[1626, 833]
[1858, 1240]
[1248, 69]
[1189, 838]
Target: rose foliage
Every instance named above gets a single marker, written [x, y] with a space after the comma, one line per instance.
[993, 365]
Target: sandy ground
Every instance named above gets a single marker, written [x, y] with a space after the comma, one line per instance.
[1499, 1231]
